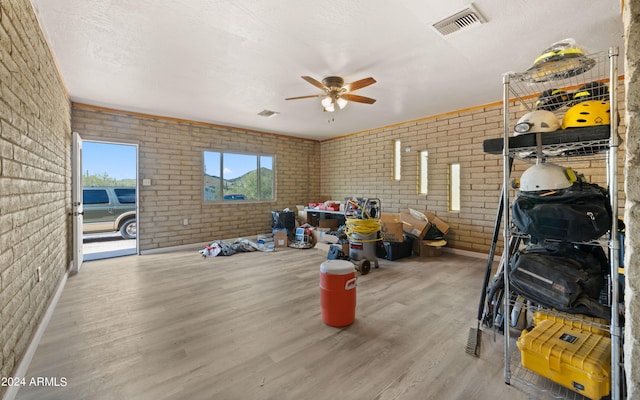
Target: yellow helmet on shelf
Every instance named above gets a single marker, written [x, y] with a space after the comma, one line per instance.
[592, 91]
[559, 51]
[552, 99]
[587, 113]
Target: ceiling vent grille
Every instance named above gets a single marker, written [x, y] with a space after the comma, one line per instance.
[460, 20]
[268, 113]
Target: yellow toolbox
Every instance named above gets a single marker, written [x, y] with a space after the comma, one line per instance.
[596, 325]
[576, 359]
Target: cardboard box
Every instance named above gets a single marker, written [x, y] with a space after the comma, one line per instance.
[417, 227]
[322, 236]
[326, 246]
[345, 248]
[391, 228]
[412, 226]
[280, 239]
[440, 224]
[313, 218]
[425, 248]
[332, 224]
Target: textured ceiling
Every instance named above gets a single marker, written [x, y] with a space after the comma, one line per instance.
[223, 62]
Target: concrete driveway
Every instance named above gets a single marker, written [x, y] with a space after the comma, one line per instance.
[98, 246]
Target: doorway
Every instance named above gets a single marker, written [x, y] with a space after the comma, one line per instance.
[110, 199]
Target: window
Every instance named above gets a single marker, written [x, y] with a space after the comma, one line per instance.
[95, 196]
[454, 187]
[237, 177]
[423, 158]
[397, 160]
[126, 196]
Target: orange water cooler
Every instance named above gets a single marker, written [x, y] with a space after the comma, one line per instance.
[338, 292]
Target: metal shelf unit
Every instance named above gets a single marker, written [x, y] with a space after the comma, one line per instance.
[525, 88]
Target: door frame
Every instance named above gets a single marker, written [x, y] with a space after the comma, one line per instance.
[137, 186]
[76, 201]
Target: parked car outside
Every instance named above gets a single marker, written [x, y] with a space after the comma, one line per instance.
[110, 209]
[234, 197]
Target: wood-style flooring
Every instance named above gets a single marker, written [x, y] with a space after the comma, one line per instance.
[248, 326]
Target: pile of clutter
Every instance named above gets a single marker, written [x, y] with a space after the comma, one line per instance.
[227, 248]
[289, 231]
[420, 233]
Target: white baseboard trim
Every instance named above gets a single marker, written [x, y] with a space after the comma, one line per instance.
[23, 365]
[467, 253]
[192, 246]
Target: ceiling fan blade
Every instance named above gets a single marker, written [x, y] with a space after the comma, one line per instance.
[314, 82]
[358, 99]
[350, 87]
[306, 97]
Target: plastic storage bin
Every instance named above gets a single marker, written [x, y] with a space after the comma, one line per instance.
[576, 359]
[338, 292]
[396, 250]
[582, 322]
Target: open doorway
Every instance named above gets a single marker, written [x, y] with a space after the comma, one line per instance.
[110, 198]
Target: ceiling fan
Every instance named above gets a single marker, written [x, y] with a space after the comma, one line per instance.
[337, 93]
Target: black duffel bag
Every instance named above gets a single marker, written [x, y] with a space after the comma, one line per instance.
[579, 213]
[566, 277]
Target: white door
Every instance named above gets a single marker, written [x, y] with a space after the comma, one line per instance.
[76, 198]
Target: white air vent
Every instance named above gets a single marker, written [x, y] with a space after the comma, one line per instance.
[268, 113]
[460, 20]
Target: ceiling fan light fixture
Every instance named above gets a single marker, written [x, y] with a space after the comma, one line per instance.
[330, 108]
[327, 102]
[337, 93]
[330, 101]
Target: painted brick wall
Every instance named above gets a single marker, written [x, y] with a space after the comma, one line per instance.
[171, 155]
[361, 165]
[35, 185]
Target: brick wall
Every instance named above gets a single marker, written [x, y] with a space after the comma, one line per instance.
[632, 216]
[171, 156]
[35, 184]
[361, 165]
[35, 119]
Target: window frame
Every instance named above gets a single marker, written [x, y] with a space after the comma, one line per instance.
[233, 196]
[397, 160]
[423, 172]
[455, 187]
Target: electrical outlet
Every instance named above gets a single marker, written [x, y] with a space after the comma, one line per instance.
[185, 221]
[38, 274]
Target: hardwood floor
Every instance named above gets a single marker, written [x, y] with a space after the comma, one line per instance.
[248, 326]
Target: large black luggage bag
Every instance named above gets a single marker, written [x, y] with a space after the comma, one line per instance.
[579, 213]
[568, 278]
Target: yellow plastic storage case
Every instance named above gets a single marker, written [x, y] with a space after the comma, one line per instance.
[574, 358]
[583, 322]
